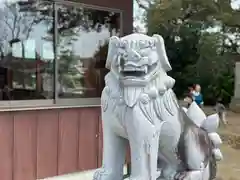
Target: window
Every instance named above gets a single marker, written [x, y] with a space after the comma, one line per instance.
[26, 50]
[53, 51]
[82, 50]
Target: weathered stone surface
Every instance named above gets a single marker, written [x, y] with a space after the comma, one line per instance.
[235, 105]
[235, 102]
[139, 106]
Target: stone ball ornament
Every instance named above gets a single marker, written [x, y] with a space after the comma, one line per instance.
[167, 141]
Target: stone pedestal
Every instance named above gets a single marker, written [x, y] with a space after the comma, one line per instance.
[235, 103]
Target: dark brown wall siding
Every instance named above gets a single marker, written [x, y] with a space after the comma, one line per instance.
[6, 146]
[47, 143]
[24, 145]
[125, 5]
[44, 143]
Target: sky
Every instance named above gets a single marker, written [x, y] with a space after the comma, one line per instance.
[85, 44]
[138, 20]
[235, 3]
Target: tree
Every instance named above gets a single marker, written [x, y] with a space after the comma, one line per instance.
[71, 21]
[215, 69]
[16, 25]
[199, 41]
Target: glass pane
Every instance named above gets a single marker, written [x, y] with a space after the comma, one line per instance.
[26, 48]
[83, 43]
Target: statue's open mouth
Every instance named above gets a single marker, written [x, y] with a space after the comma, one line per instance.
[133, 71]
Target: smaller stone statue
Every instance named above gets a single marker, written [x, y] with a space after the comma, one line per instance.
[167, 142]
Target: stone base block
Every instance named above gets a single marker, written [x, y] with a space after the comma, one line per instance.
[87, 175]
[235, 105]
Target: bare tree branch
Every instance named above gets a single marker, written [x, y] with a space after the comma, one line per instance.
[30, 27]
[5, 20]
[18, 27]
[15, 16]
[18, 24]
[10, 27]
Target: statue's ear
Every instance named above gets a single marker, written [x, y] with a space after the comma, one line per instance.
[160, 45]
[112, 50]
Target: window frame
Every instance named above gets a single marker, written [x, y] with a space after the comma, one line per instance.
[56, 102]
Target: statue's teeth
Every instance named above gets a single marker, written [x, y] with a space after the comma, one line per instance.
[119, 69]
[145, 69]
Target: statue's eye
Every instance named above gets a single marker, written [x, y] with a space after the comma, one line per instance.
[144, 52]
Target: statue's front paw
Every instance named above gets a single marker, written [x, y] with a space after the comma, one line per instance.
[100, 174]
[107, 174]
[180, 175]
[189, 175]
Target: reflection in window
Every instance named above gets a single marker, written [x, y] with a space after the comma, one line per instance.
[26, 49]
[83, 36]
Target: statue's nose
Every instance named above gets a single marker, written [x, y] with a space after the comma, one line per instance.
[133, 55]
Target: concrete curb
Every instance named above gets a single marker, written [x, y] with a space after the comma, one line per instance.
[86, 175]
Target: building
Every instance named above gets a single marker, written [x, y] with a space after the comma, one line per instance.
[52, 56]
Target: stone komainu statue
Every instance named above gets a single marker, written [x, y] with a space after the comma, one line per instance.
[138, 104]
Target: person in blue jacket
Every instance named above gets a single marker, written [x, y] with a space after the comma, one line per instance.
[197, 96]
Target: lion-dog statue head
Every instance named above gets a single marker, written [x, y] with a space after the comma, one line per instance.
[139, 62]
